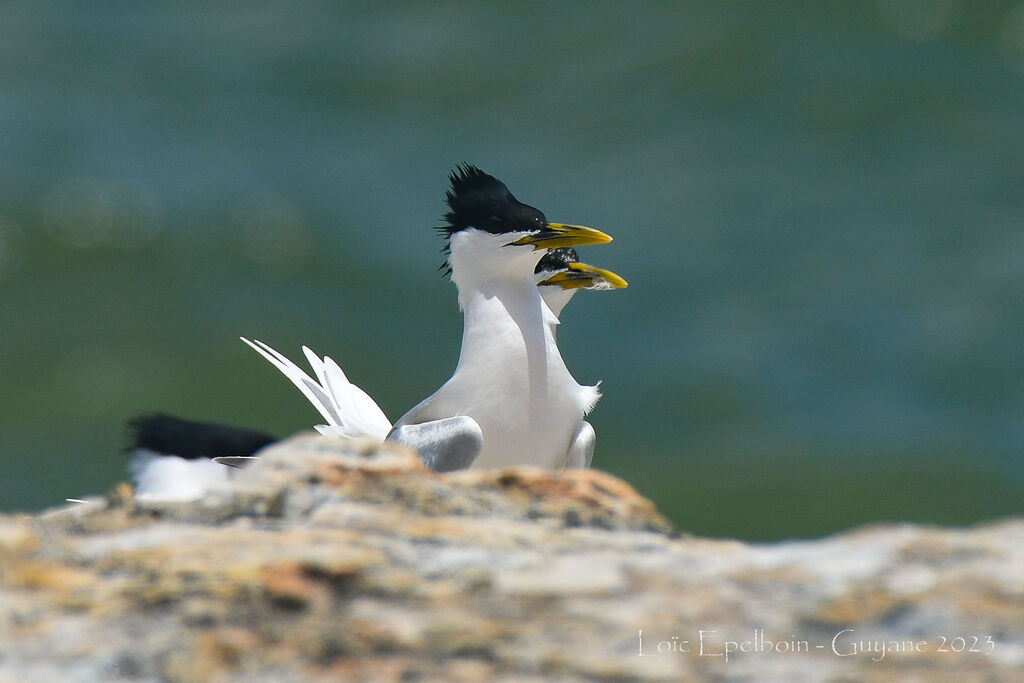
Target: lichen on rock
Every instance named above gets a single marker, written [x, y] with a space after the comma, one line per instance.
[330, 560]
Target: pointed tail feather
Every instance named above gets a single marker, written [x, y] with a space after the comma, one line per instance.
[349, 411]
[361, 412]
[313, 392]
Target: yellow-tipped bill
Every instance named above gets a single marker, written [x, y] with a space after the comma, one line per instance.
[583, 276]
[557, 235]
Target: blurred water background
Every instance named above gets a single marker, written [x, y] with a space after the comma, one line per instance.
[819, 208]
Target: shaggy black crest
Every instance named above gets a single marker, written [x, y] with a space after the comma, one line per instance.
[191, 440]
[479, 200]
[556, 260]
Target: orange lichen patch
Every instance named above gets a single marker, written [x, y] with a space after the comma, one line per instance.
[67, 586]
[361, 482]
[586, 486]
[416, 526]
[122, 494]
[288, 586]
[226, 646]
[990, 602]
[38, 575]
[16, 537]
[340, 571]
[301, 584]
[166, 578]
[340, 473]
[399, 582]
[568, 493]
[860, 605]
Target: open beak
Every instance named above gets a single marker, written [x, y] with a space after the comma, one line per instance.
[557, 235]
[582, 276]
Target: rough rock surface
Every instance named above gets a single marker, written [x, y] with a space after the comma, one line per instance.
[332, 562]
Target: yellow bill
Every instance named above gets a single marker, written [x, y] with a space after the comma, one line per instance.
[557, 235]
[583, 276]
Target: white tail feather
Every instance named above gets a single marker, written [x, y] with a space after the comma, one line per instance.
[313, 392]
[316, 363]
[360, 411]
[349, 411]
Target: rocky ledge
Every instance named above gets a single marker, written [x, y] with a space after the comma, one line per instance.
[326, 561]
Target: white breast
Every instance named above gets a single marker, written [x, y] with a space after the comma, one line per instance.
[511, 379]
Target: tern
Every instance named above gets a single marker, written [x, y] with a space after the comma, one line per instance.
[559, 275]
[511, 399]
[175, 459]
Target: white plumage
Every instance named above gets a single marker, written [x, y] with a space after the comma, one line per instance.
[349, 411]
[161, 477]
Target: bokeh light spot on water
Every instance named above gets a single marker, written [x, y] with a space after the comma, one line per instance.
[917, 20]
[1011, 37]
[269, 231]
[12, 248]
[88, 212]
[90, 381]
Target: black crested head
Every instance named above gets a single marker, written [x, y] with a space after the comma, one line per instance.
[556, 260]
[479, 200]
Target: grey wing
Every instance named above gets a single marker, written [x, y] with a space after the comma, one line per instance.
[581, 450]
[452, 443]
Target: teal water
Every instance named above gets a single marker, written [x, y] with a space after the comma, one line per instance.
[819, 208]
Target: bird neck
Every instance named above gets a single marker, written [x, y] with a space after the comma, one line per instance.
[502, 322]
[506, 323]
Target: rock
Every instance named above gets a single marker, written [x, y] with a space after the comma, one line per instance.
[328, 560]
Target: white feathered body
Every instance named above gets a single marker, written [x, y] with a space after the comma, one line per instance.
[510, 377]
[161, 477]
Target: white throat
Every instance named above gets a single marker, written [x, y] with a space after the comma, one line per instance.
[482, 262]
[506, 323]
